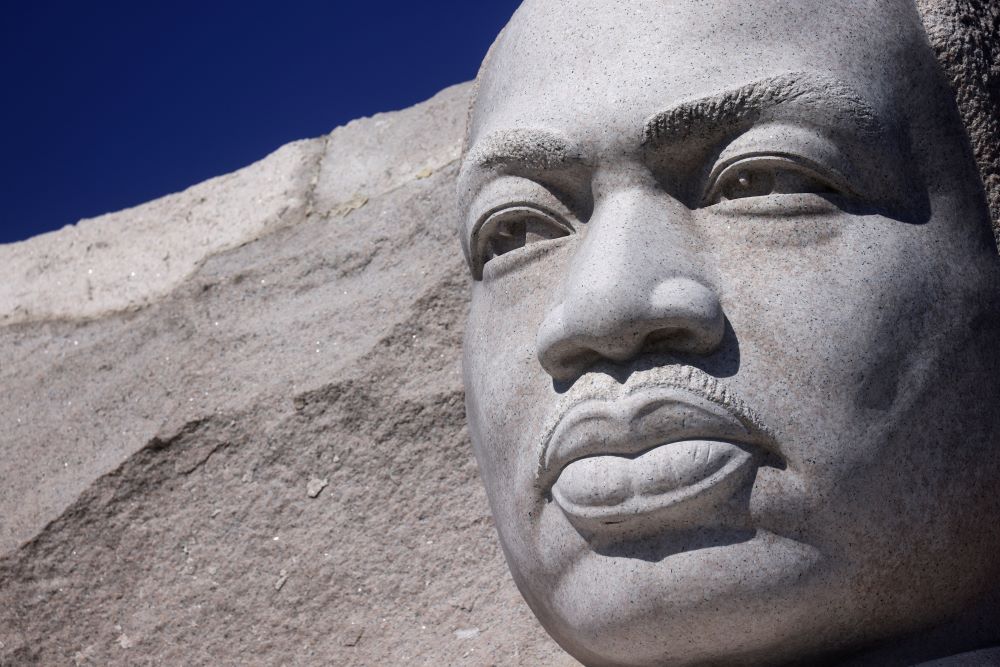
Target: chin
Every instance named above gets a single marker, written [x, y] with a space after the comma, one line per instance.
[762, 599]
[720, 603]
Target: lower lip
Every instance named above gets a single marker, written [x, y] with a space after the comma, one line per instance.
[682, 485]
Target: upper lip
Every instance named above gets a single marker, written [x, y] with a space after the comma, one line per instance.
[654, 407]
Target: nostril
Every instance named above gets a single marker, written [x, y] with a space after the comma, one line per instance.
[686, 316]
[679, 315]
[671, 338]
[684, 340]
[561, 352]
[565, 364]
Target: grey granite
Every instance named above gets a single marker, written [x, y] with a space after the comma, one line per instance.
[259, 458]
[233, 417]
[731, 362]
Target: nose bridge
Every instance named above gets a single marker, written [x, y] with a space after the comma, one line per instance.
[637, 240]
[636, 278]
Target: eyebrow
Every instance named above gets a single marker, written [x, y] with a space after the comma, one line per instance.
[523, 149]
[746, 103]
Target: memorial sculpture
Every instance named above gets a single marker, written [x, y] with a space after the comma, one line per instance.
[234, 430]
[732, 358]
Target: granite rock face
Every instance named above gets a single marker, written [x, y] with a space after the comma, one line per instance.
[966, 36]
[234, 428]
[233, 417]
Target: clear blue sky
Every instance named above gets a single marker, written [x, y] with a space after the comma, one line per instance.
[108, 104]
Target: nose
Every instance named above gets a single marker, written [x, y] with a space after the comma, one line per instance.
[634, 284]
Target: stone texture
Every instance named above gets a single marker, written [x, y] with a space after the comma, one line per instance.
[731, 360]
[85, 270]
[234, 424]
[966, 36]
[166, 434]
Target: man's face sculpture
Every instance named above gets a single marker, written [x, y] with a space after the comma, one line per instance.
[733, 356]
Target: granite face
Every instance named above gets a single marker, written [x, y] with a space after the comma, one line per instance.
[233, 428]
[732, 359]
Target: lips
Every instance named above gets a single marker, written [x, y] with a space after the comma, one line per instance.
[652, 457]
[614, 481]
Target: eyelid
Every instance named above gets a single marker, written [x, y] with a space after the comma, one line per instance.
[499, 214]
[821, 149]
[788, 161]
[507, 191]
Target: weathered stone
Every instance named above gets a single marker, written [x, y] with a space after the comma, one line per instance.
[180, 377]
[156, 437]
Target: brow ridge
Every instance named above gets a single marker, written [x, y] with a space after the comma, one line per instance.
[747, 103]
[533, 149]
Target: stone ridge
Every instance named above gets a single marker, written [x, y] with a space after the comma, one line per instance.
[109, 263]
[260, 457]
[130, 258]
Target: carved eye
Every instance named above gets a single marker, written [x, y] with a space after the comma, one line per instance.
[768, 175]
[513, 228]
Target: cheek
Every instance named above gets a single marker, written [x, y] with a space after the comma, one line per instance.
[508, 397]
[827, 335]
[848, 350]
[827, 332]
[508, 392]
[504, 319]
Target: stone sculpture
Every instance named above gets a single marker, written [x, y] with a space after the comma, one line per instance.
[731, 360]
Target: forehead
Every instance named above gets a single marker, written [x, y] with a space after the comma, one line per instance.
[596, 69]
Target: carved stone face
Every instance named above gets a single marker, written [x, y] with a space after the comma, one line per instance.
[733, 354]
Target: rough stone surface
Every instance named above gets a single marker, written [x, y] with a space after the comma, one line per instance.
[86, 270]
[233, 422]
[164, 434]
[966, 36]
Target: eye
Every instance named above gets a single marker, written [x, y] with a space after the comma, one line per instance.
[761, 176]
[512, 228]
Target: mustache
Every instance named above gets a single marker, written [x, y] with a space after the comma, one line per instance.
[603, 384]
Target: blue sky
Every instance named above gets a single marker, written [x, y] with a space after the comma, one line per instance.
[109, 104]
